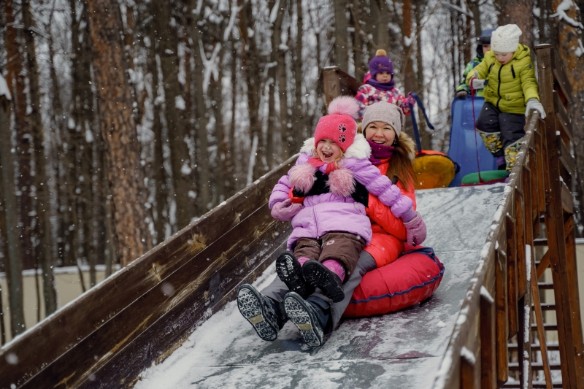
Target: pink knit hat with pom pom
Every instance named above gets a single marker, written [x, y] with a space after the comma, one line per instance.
[339, 125]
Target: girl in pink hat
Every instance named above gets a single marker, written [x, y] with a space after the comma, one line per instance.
[331, 196]
[324, 196]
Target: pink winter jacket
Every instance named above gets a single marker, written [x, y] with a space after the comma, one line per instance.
[332, 211]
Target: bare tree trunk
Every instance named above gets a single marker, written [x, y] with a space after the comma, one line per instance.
[570, 39]
[341, 34]
[286, 130]
[408, 52]
[234, 167]
[2, 314]
[519, 12]
[299, 108]
[161, 211]
[249, 62]
[182, 167]
[8, 228]
[359, 39]
[43, 206]
[379, 13]
[274, 121]
[221, 163]
[203, 178]
[425, 136]
[57, 123]
[118, 130]
[474, 6]
[16, 83]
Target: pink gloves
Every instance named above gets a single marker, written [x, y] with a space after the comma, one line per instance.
[415, 226]
[285, 210]
[416, 230]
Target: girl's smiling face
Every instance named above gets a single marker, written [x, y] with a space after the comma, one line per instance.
[328, 151]
[381, 133]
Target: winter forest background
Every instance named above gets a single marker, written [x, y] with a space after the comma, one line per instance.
[122, 121]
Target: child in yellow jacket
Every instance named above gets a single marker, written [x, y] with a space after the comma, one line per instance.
[511, 92]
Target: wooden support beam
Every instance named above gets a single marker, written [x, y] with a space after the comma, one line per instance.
[563, 266]
[502, 328]
[512, 284]
[488, 341]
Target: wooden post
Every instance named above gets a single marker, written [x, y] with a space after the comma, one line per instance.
[502, 331]
[563, 266]
[488, 341]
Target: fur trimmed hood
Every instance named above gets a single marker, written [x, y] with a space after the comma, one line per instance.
[359, 149]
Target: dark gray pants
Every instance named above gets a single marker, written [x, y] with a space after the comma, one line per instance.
[277, 291]
[509, 125]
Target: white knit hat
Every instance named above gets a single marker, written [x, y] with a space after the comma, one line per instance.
[383, 111]
[505, 39]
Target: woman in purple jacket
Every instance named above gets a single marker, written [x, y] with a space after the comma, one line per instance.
[324, 196]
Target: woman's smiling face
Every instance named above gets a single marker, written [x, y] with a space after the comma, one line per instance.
[328, 151]
[380, 132]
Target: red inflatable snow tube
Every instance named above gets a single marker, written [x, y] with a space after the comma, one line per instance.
[409, 280]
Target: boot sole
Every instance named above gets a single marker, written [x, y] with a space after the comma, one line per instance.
[299, 313]
[249, 302]
[289, 271]
[320, 277]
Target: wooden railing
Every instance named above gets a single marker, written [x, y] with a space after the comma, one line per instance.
[510, 337]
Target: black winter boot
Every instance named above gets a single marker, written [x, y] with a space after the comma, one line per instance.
[260, 311]
[311, 319]
[317, 275]
[290, 272]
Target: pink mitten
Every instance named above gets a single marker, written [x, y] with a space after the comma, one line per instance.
[341, 182]
[302, 177]
[416, 230]
[285, 210]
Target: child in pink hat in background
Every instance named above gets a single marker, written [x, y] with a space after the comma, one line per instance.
[510, 91]
[379, 85]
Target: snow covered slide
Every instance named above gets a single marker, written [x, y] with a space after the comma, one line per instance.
[400, 350]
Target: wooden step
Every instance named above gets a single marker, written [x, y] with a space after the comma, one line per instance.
[534, 384]
[536, 366]
[551, 346]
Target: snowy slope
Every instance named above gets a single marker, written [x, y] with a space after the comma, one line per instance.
[400, 350]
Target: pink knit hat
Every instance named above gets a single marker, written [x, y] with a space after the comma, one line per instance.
[339, 125]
